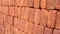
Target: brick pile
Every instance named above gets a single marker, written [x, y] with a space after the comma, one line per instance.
[29, 16]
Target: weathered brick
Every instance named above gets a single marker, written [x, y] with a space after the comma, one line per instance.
[26, 14]
[19, 24]
[56, 31]
[17, 11]
[0, 2]
[58, 21]
[31, 14]
[5, 2]
[22, 12]
[0, 9]
[22, 2]
[28, 3]
[11, 3]
[10, 20]
[43, 4]
[4, 10]
[48, 31]
[1, 19]
[36, 3]
[37, 16]
[57, 4]
[10, 29]
[51, 18]
[35, 29]
[11, 11]
[40, 30]
[50, 4]
[43, 17]
[29, 27]
[17, 2]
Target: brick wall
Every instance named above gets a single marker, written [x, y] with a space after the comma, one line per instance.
[29, 16]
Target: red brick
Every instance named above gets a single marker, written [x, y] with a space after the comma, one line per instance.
[43, 20]
[17, 2]
[19, 24]
[22, 2]
[48, 31]
[10, 20]
[56, 31]
[50, 4]
[35, 29]
[5, 2]
[17, 11]
[1, 19]
[57, 4]
[31, 14]
[11, 11]
[28, 3]
[51, 18]
[10, 29]
[0, 2]
[36, 3]
[22, 12]
[58, 21]
[40, 30]
[26, 14]
[0, 9]
[37, 16]
[2, 30]
[11, 3]
[43, 4]
[4, 10]
[29, 28]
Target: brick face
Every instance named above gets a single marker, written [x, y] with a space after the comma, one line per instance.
[58, 21]
[29, 16]
[51, 18]
[43, 16]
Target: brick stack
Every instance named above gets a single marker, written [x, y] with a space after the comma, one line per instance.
[29, 16]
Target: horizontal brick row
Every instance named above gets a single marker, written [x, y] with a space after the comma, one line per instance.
[45, 4]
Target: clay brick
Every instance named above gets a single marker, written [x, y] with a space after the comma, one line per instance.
[22, 12]
[57, 4]
[51, 18]
[17, 11]
[5, 2]
[26, 14]
[50, 4]
[56, 31]
[19, 24]
[48, 31]
[31, 14]
[43, 17]
[4, 10]
[36, 3]
[17, 2]
[37, 17]
[1, 19]
[10, 29]
[0, 2]
[11, 3]
[0, 9]
[2, 30]
[28, 3]
[58, 21]
[29, 28]
[40, 30]
[11, 11]
[10, 20]
[22, 2]
[43, 4]
[35, 29]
